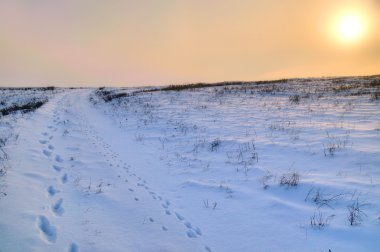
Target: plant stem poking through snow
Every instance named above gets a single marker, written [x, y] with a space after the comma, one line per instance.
[355, 212]
[290, 179]
[319, 221]
[209, 205]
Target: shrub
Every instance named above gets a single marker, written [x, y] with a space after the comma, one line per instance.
[375, 96]
[290, 179]
[25, 108]
[215, 144]
[294, 99]
[374, 83]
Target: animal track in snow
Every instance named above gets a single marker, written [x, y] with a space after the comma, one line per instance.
[112, 160]
[73, 248]
[190, 233]
[188, 224]
[52, 191]
[43, 141]
[58, 158]
[57, 168]
[51, 147]
[47, 153]
[165, 205]
[207, 249]
[57, 207]
[64, 178]
[179, 217]
[198, 231]
[47, 231]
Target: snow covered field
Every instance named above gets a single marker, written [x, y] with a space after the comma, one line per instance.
[270, 166]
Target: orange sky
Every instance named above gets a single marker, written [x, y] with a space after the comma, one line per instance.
[153, 42]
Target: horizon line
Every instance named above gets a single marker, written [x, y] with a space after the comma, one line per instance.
[183, 83]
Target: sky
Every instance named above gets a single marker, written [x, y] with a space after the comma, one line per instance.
[159, 42]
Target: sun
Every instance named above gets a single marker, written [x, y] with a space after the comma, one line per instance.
[348, 26]
[351, 27]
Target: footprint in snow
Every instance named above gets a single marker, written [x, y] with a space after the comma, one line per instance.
[198, 231]
[188, 224]
[73, 248]
[52, 191]
[47, 153]
[48, 232]
[57, 168]
[57, 207]
[179, 217]
[51, 147]
[207, 249]
[64, 178]
[58, 158]
[45, 134]
[190, 233]
[43, 141]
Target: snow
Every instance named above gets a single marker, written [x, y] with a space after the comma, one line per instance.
[196, 170]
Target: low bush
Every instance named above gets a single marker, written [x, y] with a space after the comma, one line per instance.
[291, 179]
[375, 96]
[215, 144]
[294, 99]
[24, 108]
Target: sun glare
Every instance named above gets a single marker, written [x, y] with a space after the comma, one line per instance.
[351, 27]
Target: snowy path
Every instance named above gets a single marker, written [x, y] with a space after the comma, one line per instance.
[79, 194]
[140, 173]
